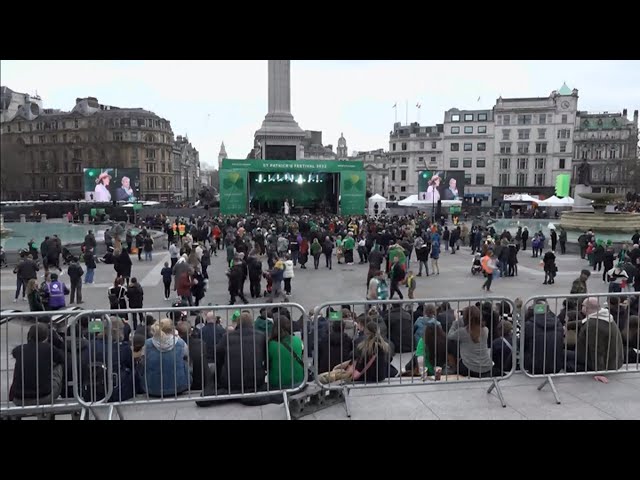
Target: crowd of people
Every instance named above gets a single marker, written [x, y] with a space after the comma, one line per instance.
[474, 341]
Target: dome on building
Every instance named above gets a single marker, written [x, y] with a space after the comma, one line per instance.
[564, 90]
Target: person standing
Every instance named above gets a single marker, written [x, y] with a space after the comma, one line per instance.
[348, 245]
[525, 237]
[327, 249]
[122, 265]
[56, 290]
[139, 245]
[488, 265]
[549, 262]
[435, 255]
[396, 275]
[554, 240]
[445, 238]
[235, 275]
[294, 247]
[183, 286]
[174, 253]
[129, 239]
[148, 248]
[316, 251]
[598, 256]
[563, 241]
[288, 274]
[25, 271]
[167, 273]
[254, 265]
[304, 253]
[135, 294]
[75, 272]
[90, 263]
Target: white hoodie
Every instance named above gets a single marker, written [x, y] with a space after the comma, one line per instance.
[602, 314]
[288, 269]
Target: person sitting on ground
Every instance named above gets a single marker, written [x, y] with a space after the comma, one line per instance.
[599, 345]
[166, 362]
[431, 351]
[467, 345]
[446, 315]
[264, 323]
[38, 372]
[502, 349]
[544, 343]
[372, 357]
[400, 327]
[429, 316]
[211, 333]
[286, 356]
[619, 310]
[631, 340]
[338, 347]
[197, 355]
[144, 328]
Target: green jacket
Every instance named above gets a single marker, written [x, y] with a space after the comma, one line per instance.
[316, 248]
[349, 243]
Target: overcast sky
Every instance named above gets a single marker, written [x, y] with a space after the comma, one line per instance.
[214, 101]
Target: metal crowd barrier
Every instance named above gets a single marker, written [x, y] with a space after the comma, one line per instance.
[252, 353]
[28, 339]
[379, 339]
[580, 334]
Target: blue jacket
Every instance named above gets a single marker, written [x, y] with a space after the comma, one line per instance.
[166, 372]
[420, 326]
[435, 250]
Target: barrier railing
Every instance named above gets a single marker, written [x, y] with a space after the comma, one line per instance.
[36, 364]
[359, 344]
[253, 353]
[584, 334]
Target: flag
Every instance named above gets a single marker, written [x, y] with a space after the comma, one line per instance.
[395, 105]
[563, 182]
[478, 98]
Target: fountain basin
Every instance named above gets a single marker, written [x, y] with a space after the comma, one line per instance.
[614, 222]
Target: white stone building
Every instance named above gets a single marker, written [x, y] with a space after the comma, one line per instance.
[412, 149]
[533, 142]
[469, 146]
[376, 164]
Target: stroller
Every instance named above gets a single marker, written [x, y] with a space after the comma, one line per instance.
[67, 256]
[476, 267]
[267, 292]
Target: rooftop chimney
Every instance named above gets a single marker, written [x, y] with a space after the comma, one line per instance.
[624, 113]
[635, 117]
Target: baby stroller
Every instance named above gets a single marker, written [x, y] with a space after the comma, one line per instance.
[267, 276]
[66, 256]
[476, 267]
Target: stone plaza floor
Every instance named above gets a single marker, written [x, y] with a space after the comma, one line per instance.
[582, 397]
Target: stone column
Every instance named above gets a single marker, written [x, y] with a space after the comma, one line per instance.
[279, 86]
[85, 218]
[23, 218]
[43, 218]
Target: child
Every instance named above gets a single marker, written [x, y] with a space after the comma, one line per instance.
[166, 273]
[411, 283]
[589, 252]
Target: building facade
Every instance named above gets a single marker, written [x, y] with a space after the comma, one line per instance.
[533, 142]
[186, 169]
[44, 151]
[608, 142]
[376, 166]
[469, 146]
[412, 149]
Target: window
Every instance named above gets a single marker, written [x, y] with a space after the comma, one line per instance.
[612, 153]
[468, 129]
[54, 138]
[77, 153]
[404, 145]
[455, 118]
[117, 136]
[506, 134]
[43, 182]
[584, 154]
[542, 132]
[506, 120]
[540, 162]
[421, 145]
[480, 179]
[134, 136]
[151, 153]
[564, 118]
[453, 163]
[134, 154]
[162, 154]
[403, 160]
[151, 167]
[64, 138]
[40, 138]
[541, 148]
[521, 180]
[468, 117]
[482, 146]
[482, 117]
[403, 175]
[598, 154]
[523, 134]
[523, 147]
[433, 145]
[563, 147]
[455, 147]
[503, 179]
[468, 147]
[393, 147]
[75, 123]
[564, 133]
[523, 164]
[455, 130]
[393, 175]
[505, 148]
[66, 183]
[538, 179]
[543, 118]
[561, 163]
[466, 163]
[164, 168]
[467, 178]
[482, 129]
[524, 119]
[420, 159]
[480, 163]
[393, 160]
[433, 159]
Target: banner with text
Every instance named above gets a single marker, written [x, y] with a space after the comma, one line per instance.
[233, 191]
[352, 193]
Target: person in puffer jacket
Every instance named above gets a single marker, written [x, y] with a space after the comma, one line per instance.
[288, 274]
[543, 351]
[166, 362]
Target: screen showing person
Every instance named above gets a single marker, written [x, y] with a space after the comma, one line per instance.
[125, 192]
[451, 192]
[432, 194]
[101, 192]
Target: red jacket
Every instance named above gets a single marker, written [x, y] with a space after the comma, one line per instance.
[216, 232]
[184, 285]
[304, 246]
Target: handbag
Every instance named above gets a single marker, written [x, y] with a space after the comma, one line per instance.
[355, 374]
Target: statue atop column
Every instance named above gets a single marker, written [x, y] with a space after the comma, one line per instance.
[583, 172]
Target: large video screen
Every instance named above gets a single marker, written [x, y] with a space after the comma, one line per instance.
[441, 185]
[308, 190]
[108, 184]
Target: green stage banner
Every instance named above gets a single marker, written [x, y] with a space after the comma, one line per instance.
[319, 166]
[352, 193]
[233, 191]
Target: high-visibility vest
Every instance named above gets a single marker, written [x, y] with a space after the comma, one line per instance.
[181, 227]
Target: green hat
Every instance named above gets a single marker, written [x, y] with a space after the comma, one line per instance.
[609, 243]
[235, 316]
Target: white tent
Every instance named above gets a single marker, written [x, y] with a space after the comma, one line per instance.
[412, 201]
[556, 202]
[376, 200]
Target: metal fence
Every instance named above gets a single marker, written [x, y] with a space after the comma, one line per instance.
[391, 343]
[589, 334]
[252, 353]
